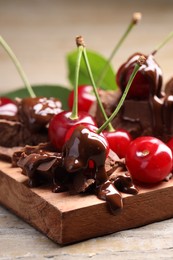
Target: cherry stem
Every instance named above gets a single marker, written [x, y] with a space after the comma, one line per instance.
[74, 114]
[135, 19]
[139, 63]
[18, 66]
[110, 127]
[159, 46]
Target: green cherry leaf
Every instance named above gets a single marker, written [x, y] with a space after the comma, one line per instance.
[43, 90]
[97, 63]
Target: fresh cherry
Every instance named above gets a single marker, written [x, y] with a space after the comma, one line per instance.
[86, 98]
[147, 82]
[119, 141]
[148, 159]
[62, 122]
[7, 107]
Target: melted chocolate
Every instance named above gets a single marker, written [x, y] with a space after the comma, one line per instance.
[150, 114]
[143, 117]
[84, 146]
[108, 192]
[123, 182]
[43, 166]
[149, 75]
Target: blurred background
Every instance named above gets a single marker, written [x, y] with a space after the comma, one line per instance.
[42, 32]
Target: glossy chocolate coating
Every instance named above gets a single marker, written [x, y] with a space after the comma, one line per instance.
[108, 192]
[107, 179]
[153, 116]
[84, 146]
[148, 81]
[37, 112]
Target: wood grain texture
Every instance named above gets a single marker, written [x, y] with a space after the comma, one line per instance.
[66, 218]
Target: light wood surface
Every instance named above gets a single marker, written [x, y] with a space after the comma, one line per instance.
[41, 33]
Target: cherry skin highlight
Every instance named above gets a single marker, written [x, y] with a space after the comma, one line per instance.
[148, 159]
[61, 123]
[86, 98]
[119, 141]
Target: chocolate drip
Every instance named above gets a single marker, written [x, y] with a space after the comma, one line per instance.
[144, 117]
[125, 184]
[108, 192]
[149, 75]
[84, 146]
[43, 166]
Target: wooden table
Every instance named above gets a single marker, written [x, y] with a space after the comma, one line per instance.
[41, 33]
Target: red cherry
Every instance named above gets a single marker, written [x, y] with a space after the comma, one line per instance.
[61, 123]
[7, 107]
[148, 159]
[119, 141]
[86, 98]
[148, 80]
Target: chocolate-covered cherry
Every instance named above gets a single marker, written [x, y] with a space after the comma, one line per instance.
[62, 122]
[119, 141]
[86, 98]
[8, 107]
[147, 82]
[83, 146]
[38, 111]
[148, 159]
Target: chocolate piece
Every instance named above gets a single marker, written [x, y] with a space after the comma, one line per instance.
[108, 192]
[141, 117]
[38, 164]
[29, 125]
[37, 112]
[14, 133]
[43, 166]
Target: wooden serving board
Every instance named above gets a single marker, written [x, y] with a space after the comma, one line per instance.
[68, 218]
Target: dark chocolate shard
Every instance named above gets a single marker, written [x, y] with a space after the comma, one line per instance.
[109, 193]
